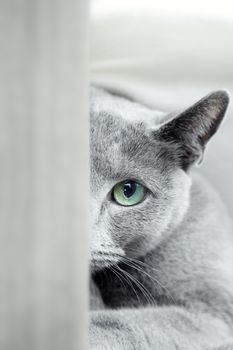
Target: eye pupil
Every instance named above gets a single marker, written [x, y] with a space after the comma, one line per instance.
[129, 189]
[128, 193]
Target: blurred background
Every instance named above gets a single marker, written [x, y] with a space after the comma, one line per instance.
[168, 54]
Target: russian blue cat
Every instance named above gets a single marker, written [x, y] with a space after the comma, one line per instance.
[161, 240]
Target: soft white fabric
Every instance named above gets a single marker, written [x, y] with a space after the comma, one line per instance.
[169, 55]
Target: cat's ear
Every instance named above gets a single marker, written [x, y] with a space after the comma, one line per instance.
[192, 129]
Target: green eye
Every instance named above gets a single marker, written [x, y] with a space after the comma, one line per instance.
[128, 193]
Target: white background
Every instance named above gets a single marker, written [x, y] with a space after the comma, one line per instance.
[168, 54]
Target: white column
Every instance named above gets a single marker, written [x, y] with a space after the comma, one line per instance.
[43, 174]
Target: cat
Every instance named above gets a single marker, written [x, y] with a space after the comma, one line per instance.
[161, 247]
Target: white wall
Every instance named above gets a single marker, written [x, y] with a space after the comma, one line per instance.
[168, 54]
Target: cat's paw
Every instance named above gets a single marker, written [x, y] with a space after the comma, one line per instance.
[101, 338]
[109, 331]
[101, 332]
[225, 347]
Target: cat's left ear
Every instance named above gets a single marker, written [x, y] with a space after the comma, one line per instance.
[191, 130]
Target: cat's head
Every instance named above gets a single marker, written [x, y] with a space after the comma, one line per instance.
[140, 164]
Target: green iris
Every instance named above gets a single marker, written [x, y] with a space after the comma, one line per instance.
[128, 193]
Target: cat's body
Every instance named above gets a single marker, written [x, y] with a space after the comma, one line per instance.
[164, 267]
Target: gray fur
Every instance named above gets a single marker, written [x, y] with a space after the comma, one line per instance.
[164, 267]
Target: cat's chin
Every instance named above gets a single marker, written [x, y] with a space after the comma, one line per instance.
[103, 262]
[102, 259]
[96, 267]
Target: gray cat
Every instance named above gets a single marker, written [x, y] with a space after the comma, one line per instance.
[161, 240]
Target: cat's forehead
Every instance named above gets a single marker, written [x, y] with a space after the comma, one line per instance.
[118, 134]
[114, 125]
[102, 101]
[112, 142]
[114, 117]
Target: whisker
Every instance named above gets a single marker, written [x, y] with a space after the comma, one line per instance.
[128, 281]
[111, 268]
[149, 297]
[134, 264]
[138, 262]
[120, 256]
[143, 289]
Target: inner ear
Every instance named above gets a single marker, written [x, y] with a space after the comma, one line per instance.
[191, 129]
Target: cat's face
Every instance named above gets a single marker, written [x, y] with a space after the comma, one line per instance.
[139, 181]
